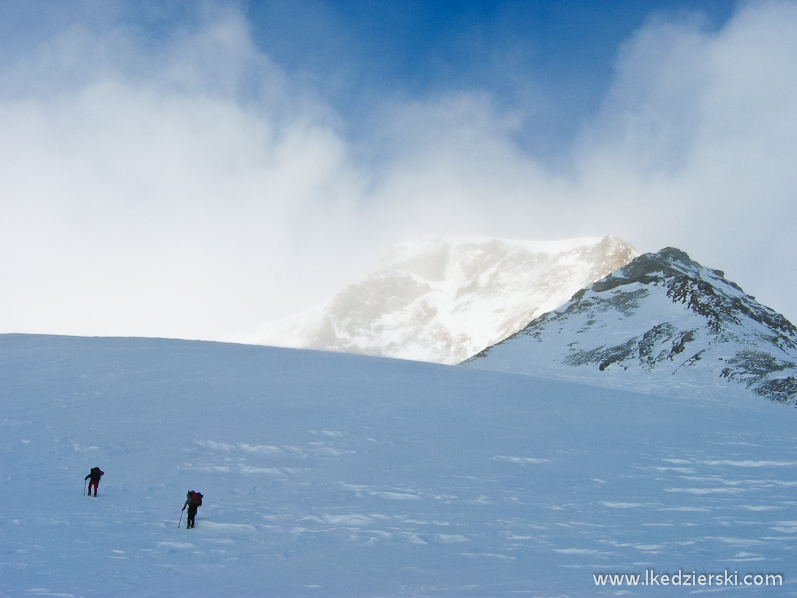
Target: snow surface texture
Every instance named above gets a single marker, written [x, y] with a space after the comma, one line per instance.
[443, 300]
[665, 324]
[341, 475]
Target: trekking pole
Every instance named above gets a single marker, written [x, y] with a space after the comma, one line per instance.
[84, 486]
[181, 520]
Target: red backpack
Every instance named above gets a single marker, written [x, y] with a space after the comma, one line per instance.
[195, 498]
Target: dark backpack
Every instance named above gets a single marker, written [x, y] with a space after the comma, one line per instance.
[195, 498]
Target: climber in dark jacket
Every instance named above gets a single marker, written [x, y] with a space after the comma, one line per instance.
[193, 501]
[95, 476]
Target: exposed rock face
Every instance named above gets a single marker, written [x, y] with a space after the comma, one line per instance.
[442, 300]
[662, 322]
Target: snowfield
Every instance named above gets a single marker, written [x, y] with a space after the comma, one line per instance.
[330, 475]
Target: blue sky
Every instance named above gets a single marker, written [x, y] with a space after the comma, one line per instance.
[194, 169]
[551, 61]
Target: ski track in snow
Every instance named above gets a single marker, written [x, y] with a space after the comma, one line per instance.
[350, 476]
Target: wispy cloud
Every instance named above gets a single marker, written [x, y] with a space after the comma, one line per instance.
[182, 183]
[166, 198]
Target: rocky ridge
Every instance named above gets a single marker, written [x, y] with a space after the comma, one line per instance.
[661, 323]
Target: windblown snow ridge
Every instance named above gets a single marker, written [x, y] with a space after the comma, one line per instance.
[443, 300]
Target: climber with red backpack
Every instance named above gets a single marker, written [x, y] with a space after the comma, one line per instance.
[95, 475]
[193, 501]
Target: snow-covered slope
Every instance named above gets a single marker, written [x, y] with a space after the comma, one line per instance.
[352, 476]
[665, 324]
[442, 300]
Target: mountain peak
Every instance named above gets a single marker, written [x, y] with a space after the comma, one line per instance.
[661, 321]
[442, 300]
[646, 268]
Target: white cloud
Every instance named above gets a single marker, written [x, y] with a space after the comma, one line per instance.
[697, 143]
[160, 203]
[189, 187]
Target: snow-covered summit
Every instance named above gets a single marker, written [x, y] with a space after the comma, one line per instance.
[443, 300]
[661, 323]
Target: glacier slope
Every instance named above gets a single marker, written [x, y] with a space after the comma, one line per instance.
[339, 475]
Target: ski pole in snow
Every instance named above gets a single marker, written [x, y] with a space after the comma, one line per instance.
[181, 520]
[84, 486]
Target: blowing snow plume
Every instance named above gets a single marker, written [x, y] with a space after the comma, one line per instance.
[442, 300]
